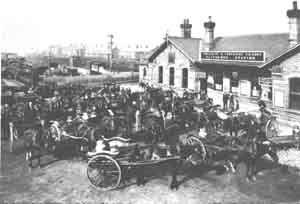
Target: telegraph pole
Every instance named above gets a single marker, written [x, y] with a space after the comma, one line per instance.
[111, 36]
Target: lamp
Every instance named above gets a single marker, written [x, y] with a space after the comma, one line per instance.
[234, 75]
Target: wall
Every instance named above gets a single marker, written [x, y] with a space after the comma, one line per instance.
[290, 68]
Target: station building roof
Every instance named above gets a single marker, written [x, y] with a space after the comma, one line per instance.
[272, 44]
[190, 47]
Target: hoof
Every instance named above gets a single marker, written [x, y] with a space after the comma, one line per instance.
[284, 169]
[174, 186]
[253, 178]
[231, 167]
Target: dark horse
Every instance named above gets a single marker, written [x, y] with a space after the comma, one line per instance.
[155, 151]
[254, 145]
[35, 140]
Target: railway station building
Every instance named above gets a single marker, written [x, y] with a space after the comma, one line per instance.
[172, 64]
[251, 67]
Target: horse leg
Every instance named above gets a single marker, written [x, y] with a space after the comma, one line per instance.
[274, 156]
[174, 182]
[230, 165]
[29, 157]
[38, 152]
[140, 177]
[39, 156]
[283, 168]
[253, 167]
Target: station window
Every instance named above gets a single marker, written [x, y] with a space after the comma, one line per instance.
[234, 79]
[295, 93]
[185, 78]
[234, 82]
[171, 57]
[255, 87]
[145, 72]
[210, 81]
[160, 74]
[172, 73]
[218, 80]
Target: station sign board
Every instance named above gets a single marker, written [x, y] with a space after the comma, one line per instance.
[241, 56]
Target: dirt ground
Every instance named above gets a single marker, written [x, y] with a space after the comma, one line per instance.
[66, 182]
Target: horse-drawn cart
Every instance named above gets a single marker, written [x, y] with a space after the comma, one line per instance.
[106, 171]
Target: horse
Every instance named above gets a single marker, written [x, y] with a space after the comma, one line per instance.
[71, 139]
[255, 144]
[186, 151]
[258, 146]
[78, 135]
[35, 140]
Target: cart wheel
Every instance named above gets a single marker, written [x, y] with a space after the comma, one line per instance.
[192, 140]
[104, 172]
[271, 128]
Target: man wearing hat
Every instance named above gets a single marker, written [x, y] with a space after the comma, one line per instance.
[85, 116]
[6, 118]
[265, 114]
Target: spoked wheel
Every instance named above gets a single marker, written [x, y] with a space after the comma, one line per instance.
[196, 142]
[272, 128]
[104, 172]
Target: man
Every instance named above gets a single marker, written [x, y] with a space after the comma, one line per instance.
[137, 120]
[225, 101]
[30, 113]
[231, 102]
[5, 114]
[129, 116]
[265, 114]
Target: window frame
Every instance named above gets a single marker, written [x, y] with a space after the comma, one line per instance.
[218, 77]
[171, 57]
[160, 74]
[172, 73]
[185, 83]
[294, 93]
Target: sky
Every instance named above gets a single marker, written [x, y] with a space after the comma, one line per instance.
[32, 25]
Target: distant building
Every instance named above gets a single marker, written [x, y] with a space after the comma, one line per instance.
[133, 51]
[115, 53]
[8, 55]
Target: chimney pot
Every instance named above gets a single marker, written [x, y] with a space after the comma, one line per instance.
[295, 5]
[186, 28]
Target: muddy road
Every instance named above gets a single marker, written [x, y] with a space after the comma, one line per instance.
[66, 182]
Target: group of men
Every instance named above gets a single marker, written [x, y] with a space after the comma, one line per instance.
[230, 103]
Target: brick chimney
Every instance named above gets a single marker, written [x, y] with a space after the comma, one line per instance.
[294, 24]
[186, 29]
[209, 34]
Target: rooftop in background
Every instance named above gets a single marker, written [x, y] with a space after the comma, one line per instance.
[272, 44]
